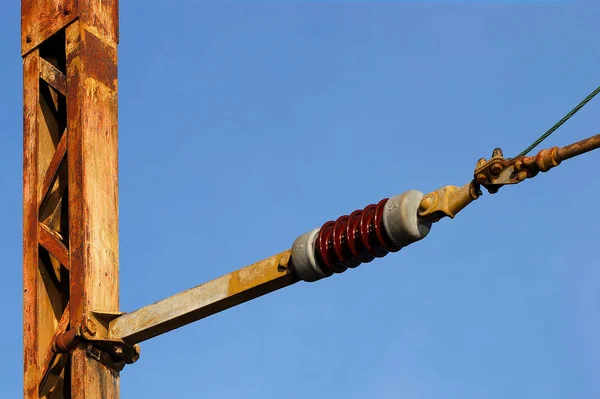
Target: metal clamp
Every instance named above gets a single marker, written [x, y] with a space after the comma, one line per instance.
[447, 201]
[114, 353]
[498, 171]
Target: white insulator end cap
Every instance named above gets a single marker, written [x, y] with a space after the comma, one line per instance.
[303, 260]
[401, 219]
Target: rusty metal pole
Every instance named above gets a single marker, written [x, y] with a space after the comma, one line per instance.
[70, 195]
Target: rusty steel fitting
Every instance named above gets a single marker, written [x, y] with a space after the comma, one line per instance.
[499, 171]
[447, 201]
[66, 341]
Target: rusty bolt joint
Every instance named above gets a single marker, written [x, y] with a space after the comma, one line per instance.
[113, 353]
[499, 171]
[66, 342]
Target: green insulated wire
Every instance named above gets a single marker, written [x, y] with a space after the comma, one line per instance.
[561, 122]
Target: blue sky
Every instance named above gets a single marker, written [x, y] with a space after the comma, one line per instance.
[246, 124]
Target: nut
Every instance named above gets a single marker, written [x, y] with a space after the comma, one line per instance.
[481, 178]
[426, 203]
[496, 168]
[90, 327]
[497, 152]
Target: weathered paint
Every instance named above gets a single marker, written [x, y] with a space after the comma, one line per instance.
[52, 367]
[52, 242]
[578, 148]
[78, 93]
[53, 76]
[52, 170]
[93, 192]
[204, 300]
[30, 221]
[42, 19]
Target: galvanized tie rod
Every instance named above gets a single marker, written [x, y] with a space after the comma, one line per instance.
[338, 245]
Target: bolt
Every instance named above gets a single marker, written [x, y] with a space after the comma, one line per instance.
[119, 351]
[522, 175]
[283, 262]
[425, 204]
[90, 326]
[481, 162]
[496, 168]
[136, 353]
[480, 178]
[497, 152]
[518, 164]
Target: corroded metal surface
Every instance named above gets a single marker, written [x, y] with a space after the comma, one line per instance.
[93, 193]
[53, 76]
[53, 243]
[52, 171]
[40, 19]
[499, 171]
[204, 300]
[53, 363]
[579, 148]
[70, 81]
[30, 230]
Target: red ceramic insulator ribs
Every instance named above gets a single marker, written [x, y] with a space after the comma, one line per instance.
[353, 239]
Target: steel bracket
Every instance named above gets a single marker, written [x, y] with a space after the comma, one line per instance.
[114, 353]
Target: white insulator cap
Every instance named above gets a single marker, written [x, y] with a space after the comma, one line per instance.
[303, 260]
[401, 220]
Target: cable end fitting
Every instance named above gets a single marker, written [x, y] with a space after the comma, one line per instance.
[447, 201]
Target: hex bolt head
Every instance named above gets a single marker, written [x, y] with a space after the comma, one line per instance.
[518, 164]
[91, 327]
[480, 178]
[283, 262]
[119, 351]
[425, 203]
[496, 168]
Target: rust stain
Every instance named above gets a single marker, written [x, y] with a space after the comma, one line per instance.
[30, 219]
[259, 273]
[54, 77]
[579, 148]
[104, 68]
[52, 241]
[52, 170]
[42, 19]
